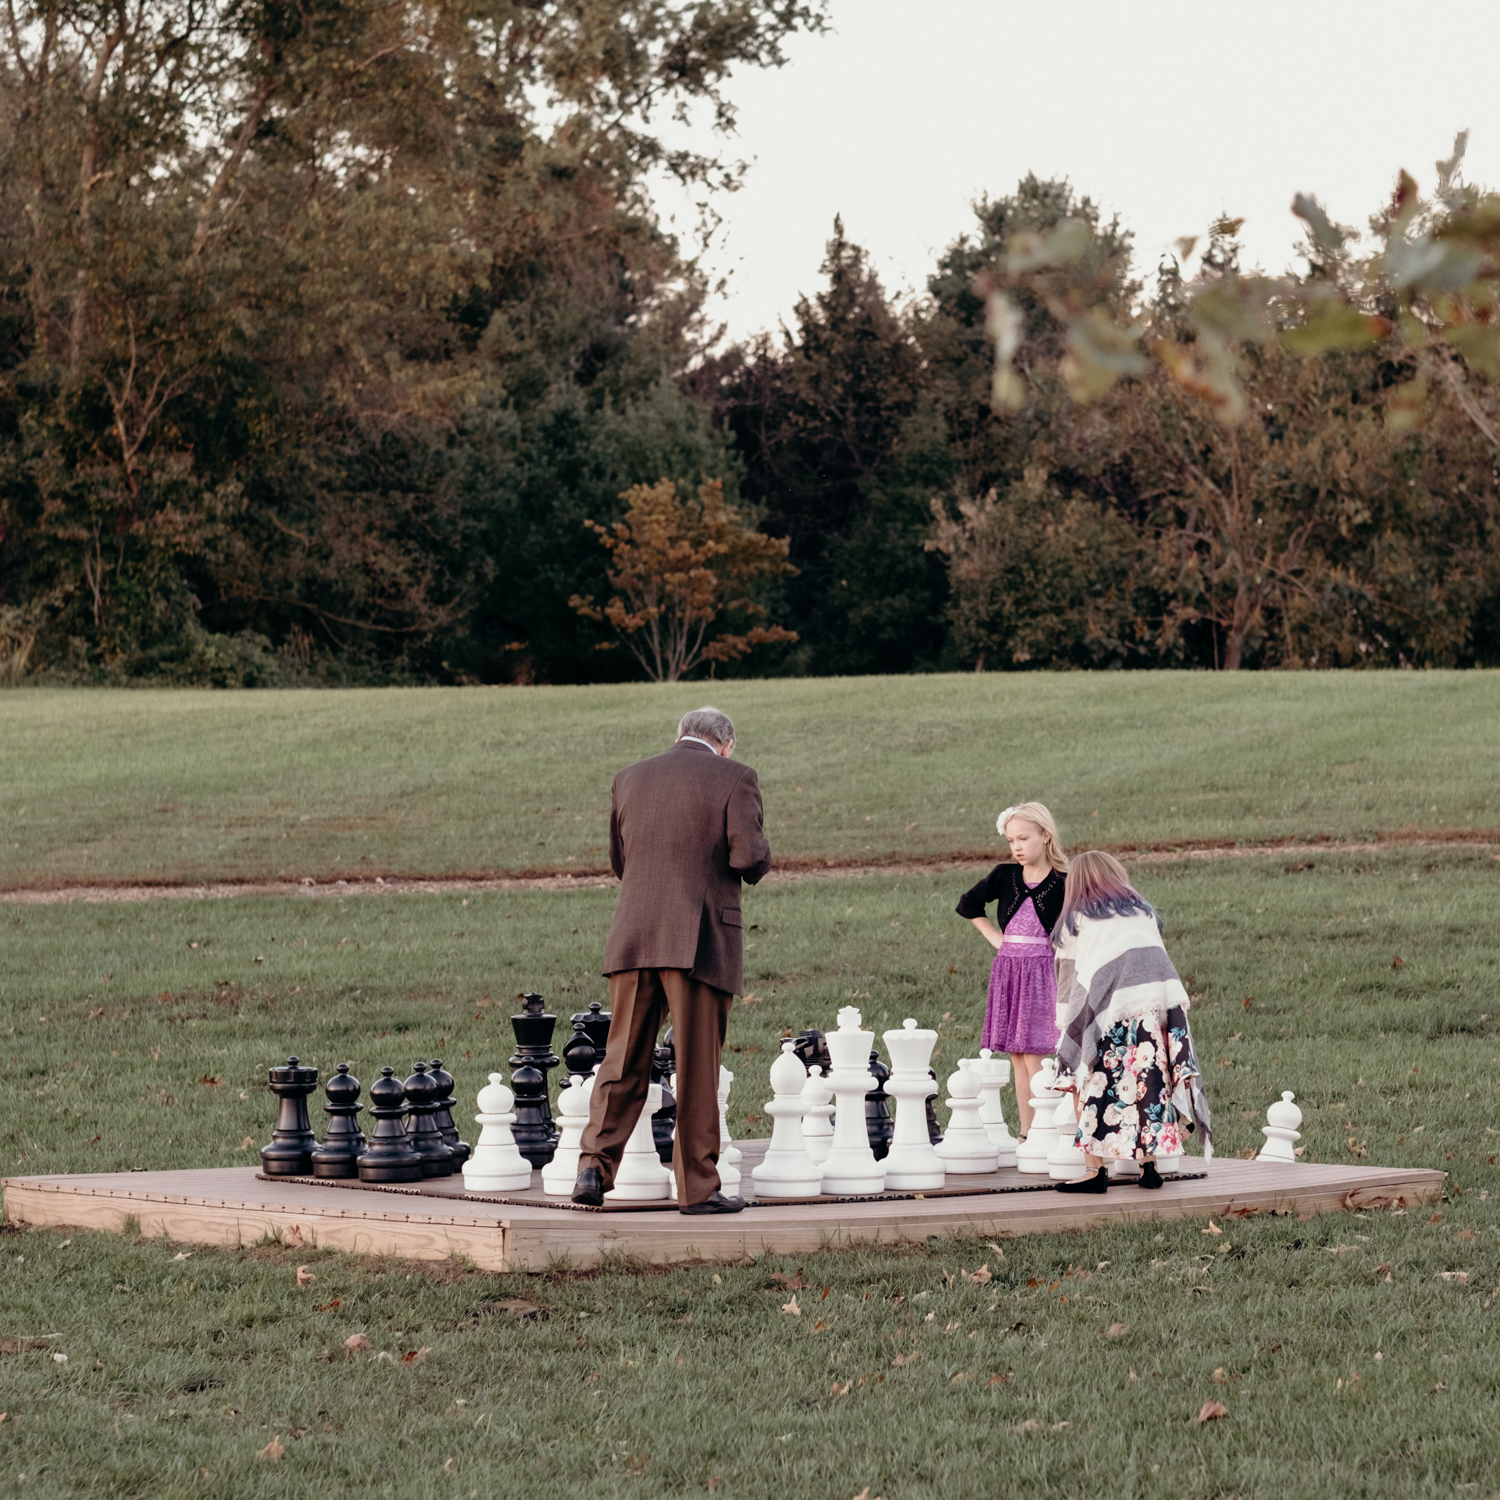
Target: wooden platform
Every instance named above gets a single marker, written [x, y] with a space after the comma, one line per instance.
[230, 1205]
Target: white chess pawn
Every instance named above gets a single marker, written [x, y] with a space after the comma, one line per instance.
[559, 1175]
[851, 1167]
[817, 1114]
[1280, 1130]
[496, 1166]
[994, 1073]
[787, 1171]
[1031, 1154]
[911, 1162]
[1065, 1160]
[966, 1145]
[641, 1178]
[730, 1155]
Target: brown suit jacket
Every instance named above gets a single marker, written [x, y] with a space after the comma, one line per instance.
[684, 831]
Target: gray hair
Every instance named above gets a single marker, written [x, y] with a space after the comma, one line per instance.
[709, 724]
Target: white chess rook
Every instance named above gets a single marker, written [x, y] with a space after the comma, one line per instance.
[1065, 1159]
[730, 1155]
[641, 1177]
[911, 1163]
[787, 1171]
[560, 1174]
[994, 1073]
[817, 1114]
[496, 1166]
[851, 1166]
[1280, 1130]
[966, 1145]
[1031, 1154]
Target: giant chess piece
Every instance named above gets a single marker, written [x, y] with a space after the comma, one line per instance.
[640, 1177]
[578, 1055]
[1031, 1153]
[1065, 1160]
[966, 1147]
[421, 1126]
[289, 1153]
[851, 1167]
[664, 1121]
[1280, 1130]
[878, 1123]
[596, 1023]
[912, 1163]
[560, 1174]
[343, 1141]
[536, 1135]
[495, 1165]
[811, 1047]
[934, 1130]
[787, 1171]
[389, 1157]
[817, 1112]
[442, 1115]
[993, 1074]
[730, 1155]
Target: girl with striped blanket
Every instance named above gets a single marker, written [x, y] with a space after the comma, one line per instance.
[1126, 1049]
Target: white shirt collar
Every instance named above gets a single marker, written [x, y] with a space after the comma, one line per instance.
[694, 738]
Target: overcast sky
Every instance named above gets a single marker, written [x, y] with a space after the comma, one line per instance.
[907, 111]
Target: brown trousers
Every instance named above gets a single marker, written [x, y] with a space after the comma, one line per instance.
[639, 1002]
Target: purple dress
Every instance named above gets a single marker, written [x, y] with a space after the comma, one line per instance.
[1022, 1013]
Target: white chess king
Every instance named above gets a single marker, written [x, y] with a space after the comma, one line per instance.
[851, 1166]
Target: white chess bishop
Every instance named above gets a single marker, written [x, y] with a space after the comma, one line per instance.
[817, 1114]
[911, 1163]
[559, 1175]
[1031, 1154]
[966, 1146]
[851, 1166]
[787, 1171]
[641, 1178]
[496, 1166]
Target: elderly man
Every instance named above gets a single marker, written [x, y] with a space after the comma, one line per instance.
[684, 831]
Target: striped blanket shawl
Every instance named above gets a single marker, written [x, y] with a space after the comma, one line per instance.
[1116, 969]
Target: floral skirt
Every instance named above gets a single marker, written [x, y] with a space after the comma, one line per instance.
[1125, 1107]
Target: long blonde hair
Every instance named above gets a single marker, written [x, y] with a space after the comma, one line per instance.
[1037, 814]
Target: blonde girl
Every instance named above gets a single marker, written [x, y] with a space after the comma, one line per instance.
[1027, 890]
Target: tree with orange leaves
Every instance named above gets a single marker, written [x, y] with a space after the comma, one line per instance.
[676, 566]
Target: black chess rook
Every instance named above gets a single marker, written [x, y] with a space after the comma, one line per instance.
[389, 1156]
[289, 1153]
[343, 1142]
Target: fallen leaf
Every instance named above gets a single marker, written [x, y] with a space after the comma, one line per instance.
[188, 1254]
[204, 1473]
[1461, 1277]
[791, 1307]
[386, 1354]
[998, 1380]
[273, 1449]
[792, 1283]
[1398, 962]
[304, 1276]
[981, 1276]
[1211, 1411]
[1116, 1331]
[247, 1143]
[1213, 1228]
[416, 1356]
[1219, 1377]
[450, 1466]
[357, 1341]
[329, 1306]
[1464, 1234]
[714, 1483]
[62, 1359]
[998, 1251]
[1382, 1268]
[1029, 1425]
[841, 1390]
[635, 1464]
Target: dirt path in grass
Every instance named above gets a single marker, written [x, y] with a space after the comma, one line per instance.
[790, 871]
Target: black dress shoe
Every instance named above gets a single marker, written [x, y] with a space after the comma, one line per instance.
[1097, 1183]
[1150, 1177]
[589, 1188]
[715, 1203]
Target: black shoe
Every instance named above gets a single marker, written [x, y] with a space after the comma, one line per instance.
[1150, 1177]
[1098, 1183]
[715, 1203]
[589, 1189]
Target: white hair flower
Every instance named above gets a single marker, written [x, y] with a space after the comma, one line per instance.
[1001, 820]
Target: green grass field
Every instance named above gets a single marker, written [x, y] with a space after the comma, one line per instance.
[186, 786]
[1356, 1354]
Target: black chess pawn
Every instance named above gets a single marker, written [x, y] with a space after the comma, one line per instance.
[664, 1121]
[289, 1153]
[880, 1124]
[442, 1114]
[389, 1156]
[421, 1127]
[579, 1056]
[343, 1141]
[534, 1131]
[596, 1022]
[934, 1130]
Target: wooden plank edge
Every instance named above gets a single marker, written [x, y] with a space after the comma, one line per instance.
[486, 1244]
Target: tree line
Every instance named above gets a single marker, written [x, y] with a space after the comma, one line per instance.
[342, 343]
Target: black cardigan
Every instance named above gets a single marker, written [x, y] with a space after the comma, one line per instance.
[1005, 885]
